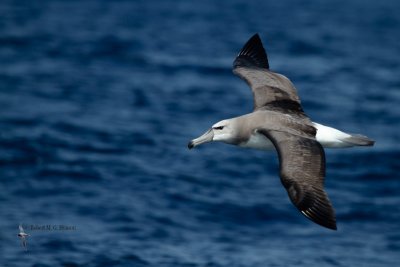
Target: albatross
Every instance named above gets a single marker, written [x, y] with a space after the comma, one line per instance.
[279, 122]
[23, 237]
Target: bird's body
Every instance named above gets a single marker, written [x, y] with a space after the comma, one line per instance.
[328, 137]
[279, 122]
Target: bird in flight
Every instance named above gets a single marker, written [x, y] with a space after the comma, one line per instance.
[23, 237]
[279, 122]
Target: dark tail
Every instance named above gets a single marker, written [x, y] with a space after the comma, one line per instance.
[359, 140]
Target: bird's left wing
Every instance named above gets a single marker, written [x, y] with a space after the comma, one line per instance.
[302, 172]
[270, 90]
[21, 230]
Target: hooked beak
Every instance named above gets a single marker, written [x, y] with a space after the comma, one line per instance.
[205, 138]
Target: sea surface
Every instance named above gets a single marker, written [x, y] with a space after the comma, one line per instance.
[98, 100]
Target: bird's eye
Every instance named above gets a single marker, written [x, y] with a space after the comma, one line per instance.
[219, 128]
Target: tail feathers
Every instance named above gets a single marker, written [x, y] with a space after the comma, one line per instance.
[359, 140]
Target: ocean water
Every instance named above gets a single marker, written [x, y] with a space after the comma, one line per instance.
[98, 100]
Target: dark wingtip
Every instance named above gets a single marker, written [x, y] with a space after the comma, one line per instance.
[190, 145]
[252, 54]
[359, 140]
[322, 215]
[325, 222]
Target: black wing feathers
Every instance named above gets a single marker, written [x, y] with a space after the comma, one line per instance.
[252, 54]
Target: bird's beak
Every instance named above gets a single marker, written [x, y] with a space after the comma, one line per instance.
[205, 138]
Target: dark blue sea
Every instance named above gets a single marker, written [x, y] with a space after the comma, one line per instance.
[98, 100]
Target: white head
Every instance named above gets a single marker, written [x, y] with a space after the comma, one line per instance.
[222, 131]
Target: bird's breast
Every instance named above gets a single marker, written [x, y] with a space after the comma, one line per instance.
[258, 141]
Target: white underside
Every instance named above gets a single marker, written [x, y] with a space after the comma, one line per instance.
[327, 136]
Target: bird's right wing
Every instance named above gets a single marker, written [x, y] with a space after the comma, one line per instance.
[21, 230]
[302, 172]
[270, 90]
[24, 243]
